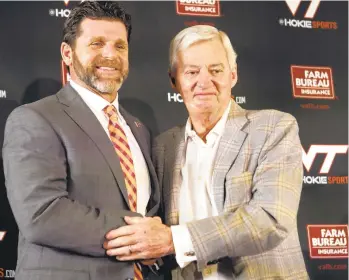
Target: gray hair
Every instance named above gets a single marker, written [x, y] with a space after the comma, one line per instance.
[198, 33]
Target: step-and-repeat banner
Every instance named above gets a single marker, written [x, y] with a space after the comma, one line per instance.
[292, 56]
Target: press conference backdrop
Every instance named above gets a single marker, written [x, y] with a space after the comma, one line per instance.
[292, 56]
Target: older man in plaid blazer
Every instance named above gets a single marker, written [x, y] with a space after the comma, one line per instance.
[230, 178]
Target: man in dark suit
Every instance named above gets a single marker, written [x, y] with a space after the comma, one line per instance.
[76, 163]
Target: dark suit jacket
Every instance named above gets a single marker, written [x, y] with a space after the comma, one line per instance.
[66, 189]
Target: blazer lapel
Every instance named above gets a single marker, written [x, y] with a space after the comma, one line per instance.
[81, 114]
[228, 149]
[175, 158]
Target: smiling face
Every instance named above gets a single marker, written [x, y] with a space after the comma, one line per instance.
[204, 77]
[99, 58]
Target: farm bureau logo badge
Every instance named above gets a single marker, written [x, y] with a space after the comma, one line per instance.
[207, 8]
[328, 241]
[312, 82]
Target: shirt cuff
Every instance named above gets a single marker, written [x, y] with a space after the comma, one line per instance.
[184, 248]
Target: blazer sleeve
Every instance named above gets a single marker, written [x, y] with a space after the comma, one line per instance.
[266, 220]
[36, 173]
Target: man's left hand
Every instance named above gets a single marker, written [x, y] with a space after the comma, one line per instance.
[141, 238]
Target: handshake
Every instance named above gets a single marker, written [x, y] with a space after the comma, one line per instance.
[143, 239]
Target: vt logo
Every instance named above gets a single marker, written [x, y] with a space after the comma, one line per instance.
[330, 150]
[293, 5]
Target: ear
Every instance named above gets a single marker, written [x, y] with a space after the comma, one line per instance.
[67, 54]
[234, 76]
[172, 80]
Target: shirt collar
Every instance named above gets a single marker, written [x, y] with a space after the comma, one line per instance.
[93, 100]
[216, 131]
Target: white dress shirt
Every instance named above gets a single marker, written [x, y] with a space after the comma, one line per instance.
[97, 104]
[196, 201]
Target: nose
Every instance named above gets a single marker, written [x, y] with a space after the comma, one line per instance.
[109, 51]
[204, 78]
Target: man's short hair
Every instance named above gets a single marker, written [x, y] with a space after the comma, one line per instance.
[199, 33]
[109, 10]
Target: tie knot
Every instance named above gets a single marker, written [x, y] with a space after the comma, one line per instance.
[110, 110]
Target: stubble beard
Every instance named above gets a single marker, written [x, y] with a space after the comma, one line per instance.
[87, 74]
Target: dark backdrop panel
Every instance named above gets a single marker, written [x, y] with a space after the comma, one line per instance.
[30, 69]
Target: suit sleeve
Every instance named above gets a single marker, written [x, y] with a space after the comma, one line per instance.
[266, 220]
[36, 168]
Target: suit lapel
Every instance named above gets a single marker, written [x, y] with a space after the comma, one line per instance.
[136, 129]
[81, 114]
[228, 149]
[175, 162]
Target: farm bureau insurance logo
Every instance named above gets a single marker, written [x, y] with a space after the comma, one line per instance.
[312, 82]
[328, 241]
[293, 5]
[207, 8]
[330, 152]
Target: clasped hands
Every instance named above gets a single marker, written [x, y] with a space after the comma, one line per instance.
[141, 239]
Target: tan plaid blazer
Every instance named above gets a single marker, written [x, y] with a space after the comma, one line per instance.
[257, 182]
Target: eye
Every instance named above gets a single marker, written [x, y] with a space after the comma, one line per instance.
[216, 71]
[121, 47]
[97, 44]
[191, 72]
